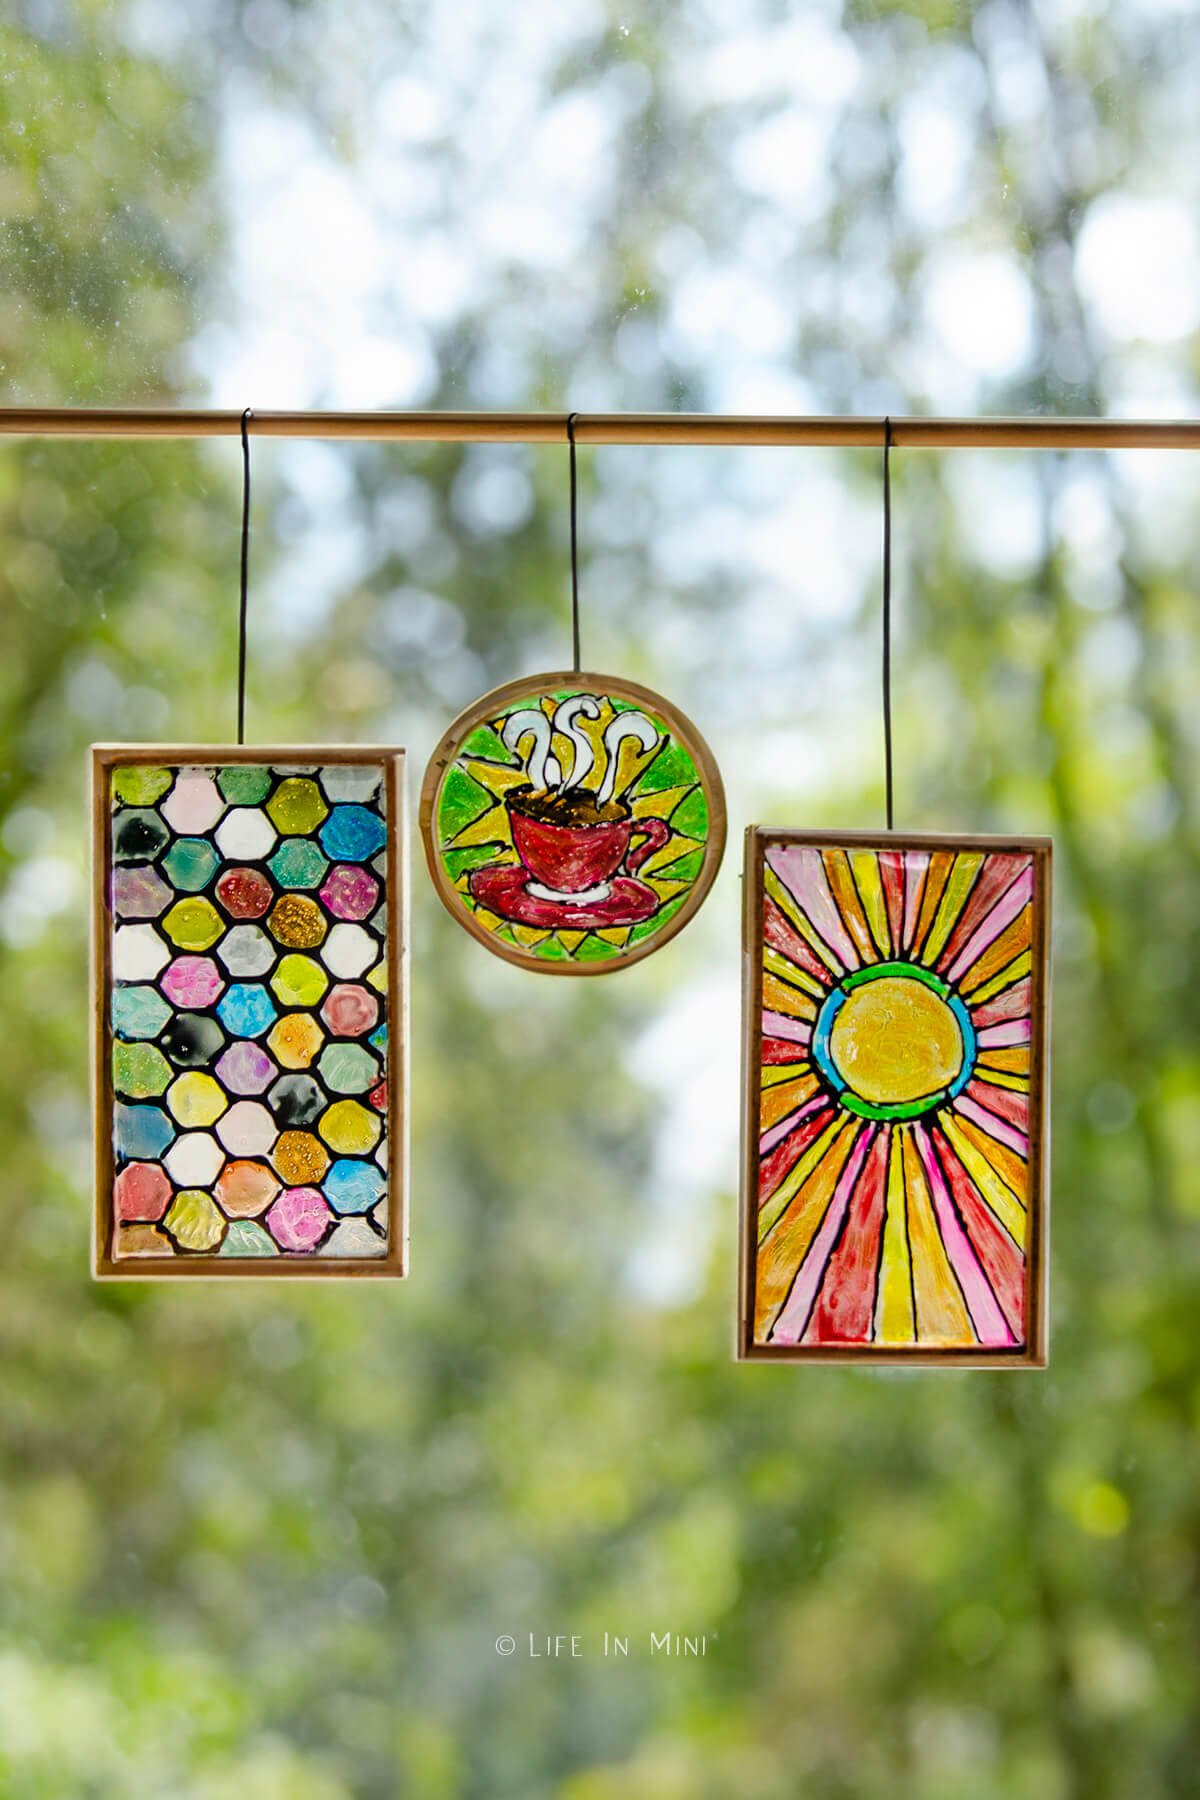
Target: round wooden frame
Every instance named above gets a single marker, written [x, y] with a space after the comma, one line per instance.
[484, 709]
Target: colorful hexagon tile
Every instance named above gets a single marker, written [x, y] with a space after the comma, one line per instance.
[295, 1040]
[190, 864]
[139, 891]
[192, 981]
[245, 1011]
[191, 1040]
[245, 1189]
[138, 1012]
[298, 863]
[246, 950]
[244, 893]
[296, 806]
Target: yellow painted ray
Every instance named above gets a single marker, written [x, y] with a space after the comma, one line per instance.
[491, 827]
[1014, 1059]
[894, 1319]
[864, 866]
[497, 778]
[987, 990]
[999, 1079]
[570, 940]
[1006, 1207]
[787, 1000]
[666, 890]
[967, 865]
[795, 916]
[942, 1316]
[774, 1206]
[662, 804]
[660, 861]
[845, 894]
[778, 964]
[528, 935]
[778, 1102]
[782, 1254]
[773, 1073]
[617, 934]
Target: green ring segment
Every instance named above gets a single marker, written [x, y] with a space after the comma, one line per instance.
[900, 1109]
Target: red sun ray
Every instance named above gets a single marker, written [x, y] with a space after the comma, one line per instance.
[891, 873]
[845, 1305]
[1006, 1103]
[781, 936]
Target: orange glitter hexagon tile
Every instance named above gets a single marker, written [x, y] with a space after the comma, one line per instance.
[251, 988]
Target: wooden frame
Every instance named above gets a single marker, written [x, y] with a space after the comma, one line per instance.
[486, 708]
[103, 759]
[1033, 1352]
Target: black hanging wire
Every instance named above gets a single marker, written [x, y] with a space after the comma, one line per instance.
[243, 608]
[577, 663]
[887, 618]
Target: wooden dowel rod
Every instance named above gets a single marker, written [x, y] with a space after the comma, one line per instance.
[1034, 433]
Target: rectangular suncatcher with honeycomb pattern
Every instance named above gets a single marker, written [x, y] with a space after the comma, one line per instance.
[250, 980]
[893, 1205]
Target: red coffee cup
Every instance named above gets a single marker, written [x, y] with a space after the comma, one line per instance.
[569, 859]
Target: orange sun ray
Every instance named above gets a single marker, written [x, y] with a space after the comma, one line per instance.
[845, 896]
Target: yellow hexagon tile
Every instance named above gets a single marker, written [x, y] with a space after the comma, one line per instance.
[196, 1100]
[195, 1220]
[193, 924]
[299, 981]
[349, 1129]
[296, 807]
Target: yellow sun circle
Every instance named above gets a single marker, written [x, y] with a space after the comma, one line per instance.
[895, 1040]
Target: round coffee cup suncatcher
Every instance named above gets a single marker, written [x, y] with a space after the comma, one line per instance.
[573, 823]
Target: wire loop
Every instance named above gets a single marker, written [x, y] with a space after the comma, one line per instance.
[887, 620]
[243, 607]
[577, 663]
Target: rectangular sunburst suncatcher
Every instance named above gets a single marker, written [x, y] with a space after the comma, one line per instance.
[249, 968]
[895, 1120]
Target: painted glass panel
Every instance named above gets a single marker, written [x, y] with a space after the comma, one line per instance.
[893, 1205]
[248, 1016]
[573, 823]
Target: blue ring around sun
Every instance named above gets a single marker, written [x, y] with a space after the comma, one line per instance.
[903, 1109]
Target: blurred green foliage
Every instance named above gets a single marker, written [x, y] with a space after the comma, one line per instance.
[258, 1545]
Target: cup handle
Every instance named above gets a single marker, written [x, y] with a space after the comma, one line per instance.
[656, 832]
